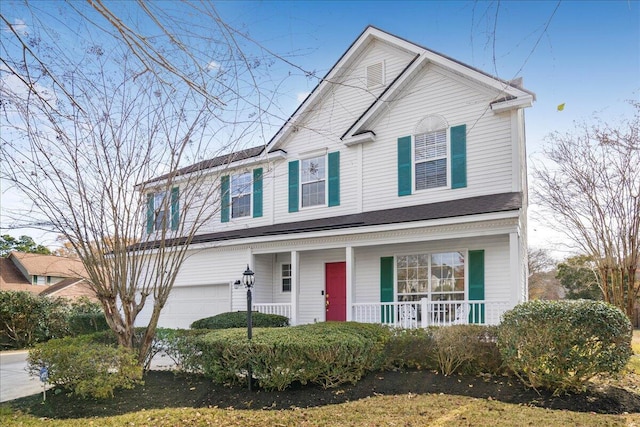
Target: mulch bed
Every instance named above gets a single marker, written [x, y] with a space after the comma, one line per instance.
[163, 389]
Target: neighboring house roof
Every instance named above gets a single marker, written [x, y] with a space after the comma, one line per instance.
[49, 265]
[13, 279]
[455, 208]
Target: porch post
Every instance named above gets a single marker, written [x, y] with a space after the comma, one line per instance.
[295, 268]
[514, 262]
[351, 271]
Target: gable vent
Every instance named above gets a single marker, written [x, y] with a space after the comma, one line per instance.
[375, 74]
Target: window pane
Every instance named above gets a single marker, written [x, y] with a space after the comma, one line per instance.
[431, 174]
[240, 184]
[313, 194]
[241, 206]
[313, 169]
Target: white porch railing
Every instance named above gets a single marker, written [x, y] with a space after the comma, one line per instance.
[424, 313]
[414, 314]
[280, 309]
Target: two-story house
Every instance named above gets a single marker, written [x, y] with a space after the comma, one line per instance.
[396, 193]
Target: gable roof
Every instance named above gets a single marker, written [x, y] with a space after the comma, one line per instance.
[510, 94]
[48, 265]
[493, 203]
[11, 279]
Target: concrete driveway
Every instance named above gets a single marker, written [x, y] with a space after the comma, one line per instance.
[15, 381]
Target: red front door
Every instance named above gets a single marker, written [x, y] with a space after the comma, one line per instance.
[336, 291]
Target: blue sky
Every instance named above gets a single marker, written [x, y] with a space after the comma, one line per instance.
[585, 54]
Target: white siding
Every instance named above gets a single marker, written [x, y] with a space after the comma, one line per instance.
[489, 145]
[312, 283]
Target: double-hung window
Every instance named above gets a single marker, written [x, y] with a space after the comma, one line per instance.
[430, 159]
[241, 185]
[163, 210]
[313, 181]
[286, 277]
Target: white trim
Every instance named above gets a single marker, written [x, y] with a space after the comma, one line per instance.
[295, 275]
[445, 228]
[350, 279]
[523, 101]
[367, 136]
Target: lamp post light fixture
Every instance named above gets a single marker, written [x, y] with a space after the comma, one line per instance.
[248, 280]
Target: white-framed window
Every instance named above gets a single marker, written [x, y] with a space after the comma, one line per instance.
[285, 272]
[438, 276]
[161, 209]
[430, 159]
[313, 181]
[241, 185]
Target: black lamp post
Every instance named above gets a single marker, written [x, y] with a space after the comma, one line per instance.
[248, 280]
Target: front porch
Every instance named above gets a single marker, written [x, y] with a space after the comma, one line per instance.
[413, 314]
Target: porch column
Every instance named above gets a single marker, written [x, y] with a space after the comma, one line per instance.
[514, 271]
[351, 278]
[295, 268]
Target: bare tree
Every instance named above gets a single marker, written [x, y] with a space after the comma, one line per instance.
[87, 128]
[591, 186]
[542, 281]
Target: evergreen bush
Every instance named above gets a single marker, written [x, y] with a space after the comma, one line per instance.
[560, 345]
[86, 367]
[238, 319]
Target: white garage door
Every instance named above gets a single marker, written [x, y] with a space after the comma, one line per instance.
[189, 303]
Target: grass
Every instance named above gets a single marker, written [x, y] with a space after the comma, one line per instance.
[406, 410]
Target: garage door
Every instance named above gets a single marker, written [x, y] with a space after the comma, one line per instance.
[189, 303]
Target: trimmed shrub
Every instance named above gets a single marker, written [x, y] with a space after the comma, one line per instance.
[327, 354]
[238, 319]
[468, 349]
[411, 348]
[560, 345]
[87, 368]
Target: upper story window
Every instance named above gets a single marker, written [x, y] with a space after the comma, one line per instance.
[435, 156]
[313, 181]
[163, 210]
[430, 158]
[241, 195]
[241, 185]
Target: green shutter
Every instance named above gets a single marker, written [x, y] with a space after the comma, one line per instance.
[459, 156]
[334, 178]
[257, 192]
[150, 213]
[386, 288]
[175, 208]
[404, 166]
[225, 198]
[476, 285]
[294, 182]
